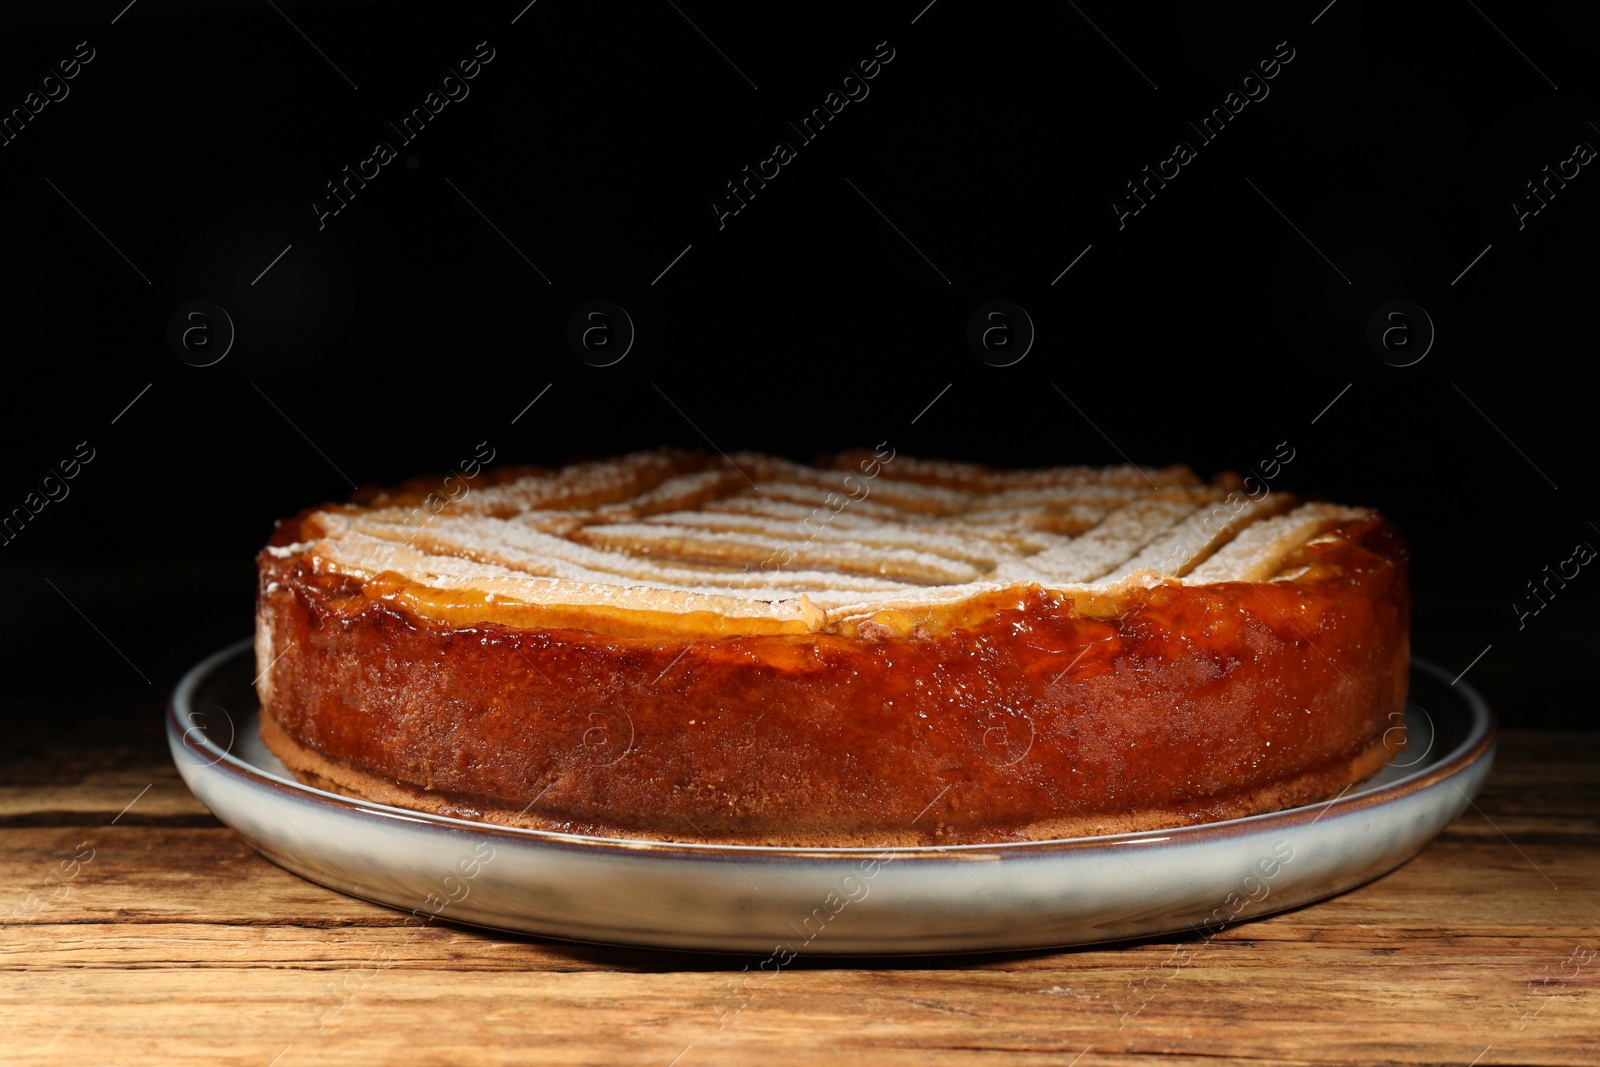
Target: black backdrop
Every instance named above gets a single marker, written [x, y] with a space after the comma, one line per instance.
[1380, 162]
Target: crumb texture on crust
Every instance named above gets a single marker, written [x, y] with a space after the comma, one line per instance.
[672, 543]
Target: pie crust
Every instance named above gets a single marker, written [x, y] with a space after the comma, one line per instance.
[873, 650]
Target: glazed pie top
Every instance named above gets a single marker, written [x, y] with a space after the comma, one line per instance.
[679, 544]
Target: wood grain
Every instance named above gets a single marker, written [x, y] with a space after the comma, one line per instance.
[176, 944]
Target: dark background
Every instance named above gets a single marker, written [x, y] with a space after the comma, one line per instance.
[1221, 320]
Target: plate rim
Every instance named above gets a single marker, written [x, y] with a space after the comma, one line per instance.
[1480, 741]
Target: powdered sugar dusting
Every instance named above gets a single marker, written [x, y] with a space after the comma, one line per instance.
[811, 547]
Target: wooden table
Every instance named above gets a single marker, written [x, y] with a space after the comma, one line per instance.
[142, 931]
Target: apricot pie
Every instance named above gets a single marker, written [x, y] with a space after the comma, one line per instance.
[874, 650]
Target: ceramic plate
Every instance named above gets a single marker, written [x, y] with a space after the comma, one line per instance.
[780, 901]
